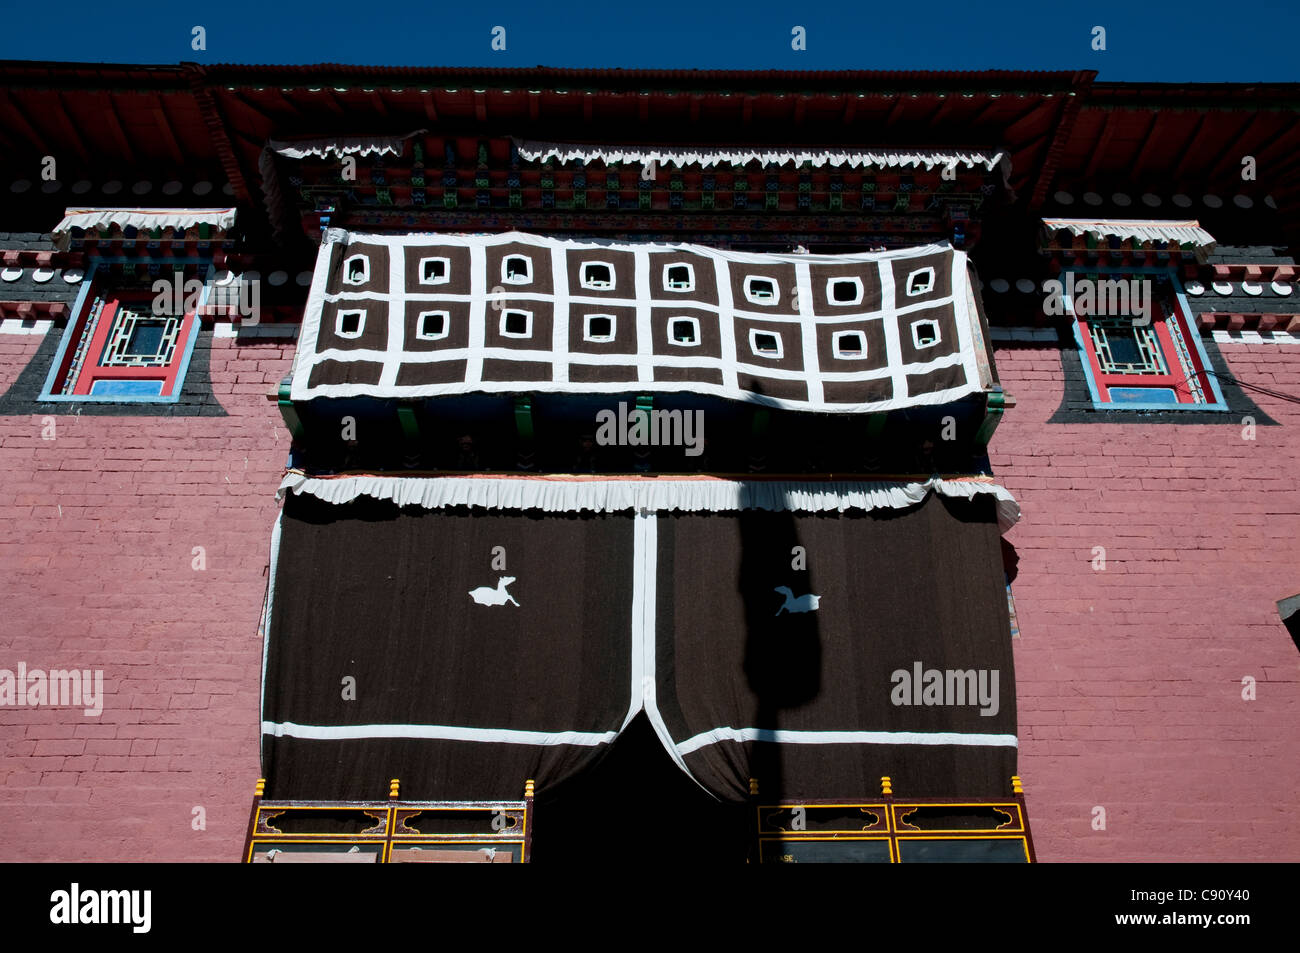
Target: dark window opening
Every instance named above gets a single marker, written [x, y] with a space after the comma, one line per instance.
[851, 344]
[925, 333]
[147, 339]
[597, 276]
[350, 322]
[679, 277]
[767, 344]
[433, 325]
[600, 326]
[516, 322]
[435, 270]
[683, 331]
[518, 268]
[844, 291]
[919, 282]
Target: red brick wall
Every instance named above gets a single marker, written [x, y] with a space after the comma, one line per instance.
[96, 573]
[1129, 680]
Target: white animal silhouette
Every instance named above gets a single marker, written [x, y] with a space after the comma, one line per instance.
[488, 596]
[806, 603]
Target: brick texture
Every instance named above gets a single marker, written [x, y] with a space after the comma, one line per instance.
[1129, 679]
[96, 572]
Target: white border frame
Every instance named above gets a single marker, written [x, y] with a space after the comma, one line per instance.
[762, 302]
[338, 323]
[754, 349]
[446, 272]
[419, 325]
[365, 271]
[840, 355]
[907, 285]
[601, 339]
[695, 323]
[582, 276]
[528, 315]
[830, 297]
[916, 340]
[690, 281]
[505, 262]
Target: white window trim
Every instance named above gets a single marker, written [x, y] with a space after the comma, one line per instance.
[695, 323]
[347, 270]
[753, 344]
[830, 296]
[599, 338]
[690, 280]
[528, 277]
[528, 315]
[907, 285]
[582, 276]
[446, 271]
[916, 337]
[419, 326]
[338, 323]
[763, 302]
[844, 356]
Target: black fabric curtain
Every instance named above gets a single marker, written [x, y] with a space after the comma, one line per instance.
[896, 588]
[379, 594]
[464, 694]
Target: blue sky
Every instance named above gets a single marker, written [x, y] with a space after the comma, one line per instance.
[1146, 40]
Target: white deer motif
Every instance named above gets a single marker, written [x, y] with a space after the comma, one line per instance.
[488, 596]
[806, 603]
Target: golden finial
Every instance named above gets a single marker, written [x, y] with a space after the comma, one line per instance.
[393, 786]
[1016, 787]
[528, 788]
[261, 787]
[885, 786]
[753, 787]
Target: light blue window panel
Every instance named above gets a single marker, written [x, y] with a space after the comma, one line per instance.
[1143, 395]
[126, 388]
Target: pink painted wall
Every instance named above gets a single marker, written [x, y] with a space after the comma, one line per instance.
[1129, 680]
[106, 583]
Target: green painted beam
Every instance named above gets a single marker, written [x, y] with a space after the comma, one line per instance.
[524, 417]
[289, 412]
[995, 404]
[410, 426]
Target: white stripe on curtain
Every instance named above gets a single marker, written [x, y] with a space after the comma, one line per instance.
[846, 738]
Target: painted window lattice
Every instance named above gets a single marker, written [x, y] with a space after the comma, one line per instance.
[1138, 344]
[1124, 348]
[123, 343]
[141, 340]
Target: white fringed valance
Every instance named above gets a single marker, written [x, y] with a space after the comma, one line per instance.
[1187, 232]
[708, 156]
[353, 145]
[655, 495]
[143, 219]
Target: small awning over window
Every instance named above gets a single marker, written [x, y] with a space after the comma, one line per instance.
[708, 156]
[1187, 234]
[141, 219]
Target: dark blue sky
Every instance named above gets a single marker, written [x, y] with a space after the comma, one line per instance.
[1147, 40]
